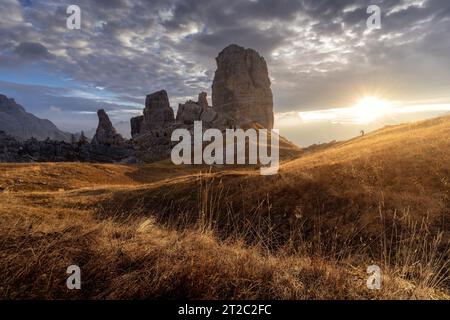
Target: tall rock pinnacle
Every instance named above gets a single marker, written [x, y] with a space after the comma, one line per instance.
[241, 89]
[106, 134]
[157, 112]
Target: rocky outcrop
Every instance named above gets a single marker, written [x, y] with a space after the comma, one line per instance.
[106, 134]
[158, 115]
[241, 90]
[157, 112]
[15, 121]
[50, 151]
[107, 146]
[241, 96]
[209, 117]
[137, 125]
[202, 100]
[33, 150]
[197, 111]
[124, 153]
[189, 112]
[153, 146]
[151, 132]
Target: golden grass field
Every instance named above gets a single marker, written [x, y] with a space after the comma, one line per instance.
[160, 231]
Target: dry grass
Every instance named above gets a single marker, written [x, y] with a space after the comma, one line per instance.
[158, 231]
[139, 259]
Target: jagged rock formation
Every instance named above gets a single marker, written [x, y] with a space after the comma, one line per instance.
[15, 121]
[49, 151]
[154, 144]
[122, 128]
[152, 138]
[106, 134]
[188, 112]
[158, 115]
[241, 88]
[241, 96]
[209, 117]
[157, 112]
[151, 132]
[137, 125]
[107, 147]
[195, 111]
[35, 150]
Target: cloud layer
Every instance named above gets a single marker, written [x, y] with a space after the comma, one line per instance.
[320, 53]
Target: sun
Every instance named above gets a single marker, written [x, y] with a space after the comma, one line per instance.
[363, 112]
[368, 109]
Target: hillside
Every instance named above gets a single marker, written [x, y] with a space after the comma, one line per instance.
[23, 125]
[160, 231]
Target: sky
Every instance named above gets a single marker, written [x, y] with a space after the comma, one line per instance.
[331, 75]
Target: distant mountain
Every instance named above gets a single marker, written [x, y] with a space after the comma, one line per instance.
[23, 125]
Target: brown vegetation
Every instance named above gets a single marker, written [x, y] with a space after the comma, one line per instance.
[160, 231]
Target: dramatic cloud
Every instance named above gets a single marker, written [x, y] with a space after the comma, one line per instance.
[320, 53]
[32, 51]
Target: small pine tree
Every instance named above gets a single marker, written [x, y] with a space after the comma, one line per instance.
[83, 140]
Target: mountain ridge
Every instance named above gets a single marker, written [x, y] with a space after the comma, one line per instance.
[16, 121]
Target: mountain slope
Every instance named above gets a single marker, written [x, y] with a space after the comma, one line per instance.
[308, 232]
[15, 121]
[399, 169]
